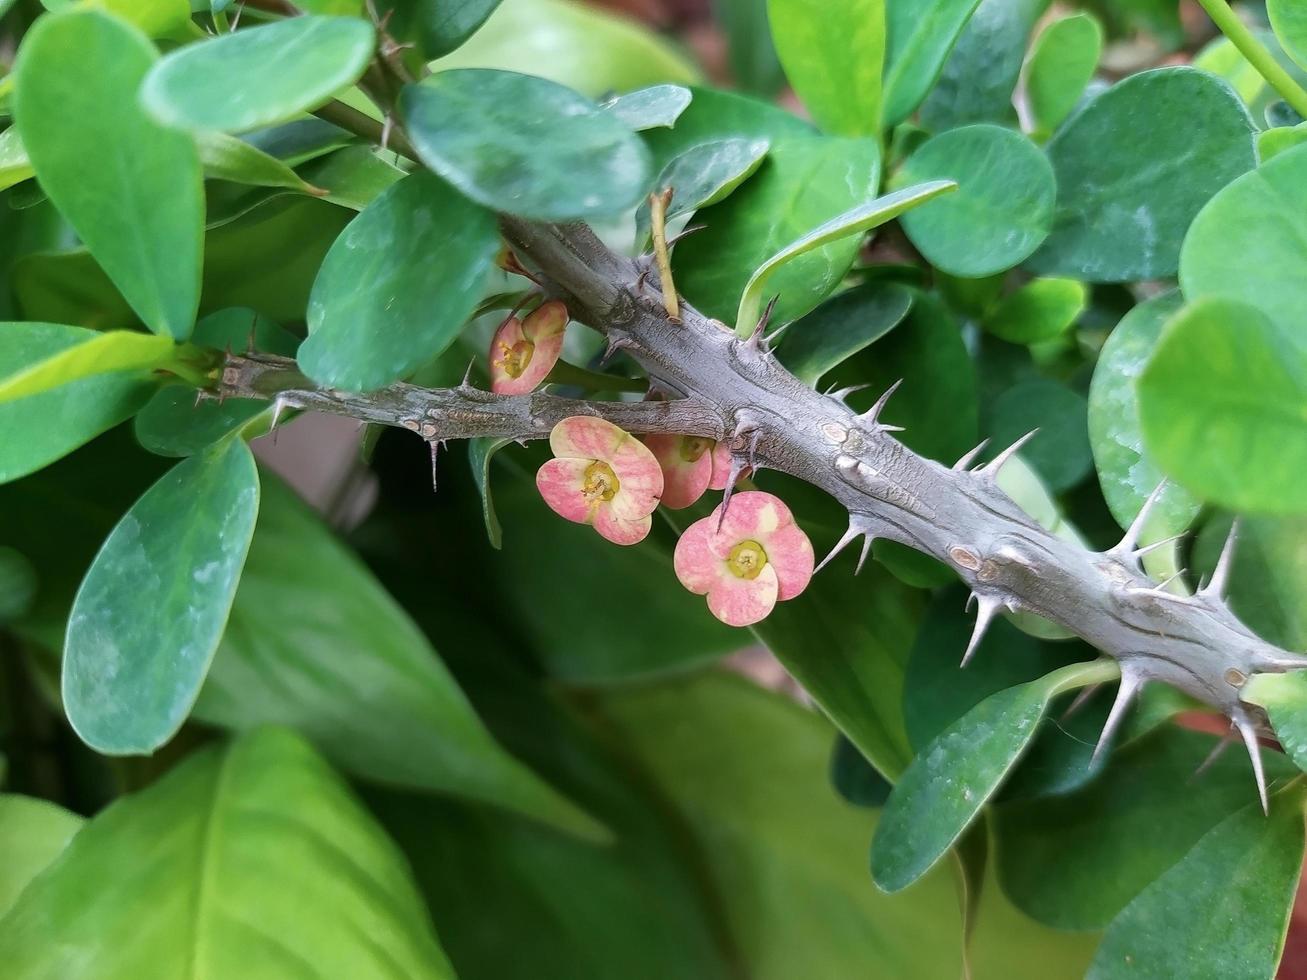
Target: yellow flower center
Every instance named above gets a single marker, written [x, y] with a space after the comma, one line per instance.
[747, 560]
[514, 360]
[601, 482]
[693, 448]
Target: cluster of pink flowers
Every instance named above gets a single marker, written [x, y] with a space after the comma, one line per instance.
[745, 559]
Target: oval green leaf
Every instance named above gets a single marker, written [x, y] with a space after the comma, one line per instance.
[398, 285]
[130, 188]
[1223, 405]
[1060, 451]
[703, 175]
[1038, 311]
[258, 76]
[1002, 210]
[1135, 166]
[99, 354]
[226, 157]
[1062, 64]
[438, 26]
[33, 833]
[152, 608]
[1289, 20]
[657, 106]
[842, 326]
[250, 859]
[526, 146]
[921, 35]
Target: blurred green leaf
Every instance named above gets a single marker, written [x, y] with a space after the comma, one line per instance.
[18, 585]
[1060, 451]
[1224, 384]
[479, 453]
[833, 56]
[38, 430]
[154, 603]
[157, 18]
[755, 68]
[1181, 926]
[843, 325]
[229, 158]
[1289, 19]
[398, 285]
[248, 860]
[1064, 59]
[714, 114]
[15, 167]
[1272, 142]
[438, 26]
[1134, 167]
[1001, 211]
[703, 175]
[650, 107]
[258, 76]
[354, 675]
[921, 33]
[1284, 696]
[1038, 311]
[352, 177]
[106, 353]
[955, 775]
[130, 188]
[33, 833]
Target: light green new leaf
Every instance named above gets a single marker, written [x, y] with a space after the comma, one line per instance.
[1003, 208]
[1222, 911]
[852, 222]
[843, 325]
[1284, 696]
[15, 167]
[656, 106]
[833, 55]
[352, 177]
[703, 175]
[248, 860]
[398, 285]
[130, 188]
[258, 76]
[157, 18]
[921, 35]
[479, 453]
[32, 834]
[1134, 167]
[524, 145]
[1126, 472]
[1038, 311]
[353, 673]
[105, 353]
[955, 775]
[38, 430]
[1289, 20]
[1062, 64]
[1223, 404]
[152, 608]
[228, 158]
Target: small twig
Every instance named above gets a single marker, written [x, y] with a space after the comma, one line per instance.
[658, 202]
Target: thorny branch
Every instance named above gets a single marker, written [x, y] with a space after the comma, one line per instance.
[730, 388]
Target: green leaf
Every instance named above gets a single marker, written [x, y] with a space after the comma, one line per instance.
[755, 68]
[714, 115]
[398, 285]
[152, 608]
[1180, 926]
[525, 145]
[833, 55]
[479, 454]
[1134, 167]
[593, 51]
[258, 76]
[841, 327]
[1138, 818]
[702, 176]
[352, 177]
[157, 18]
[354, 675]
[1038, 311]
[955, 775]
[1250, 241]
[1227, 384]
[1062, 64]
[1284, 696]
[1272, 142]
[15, 167]
[106, 353]
[1003, 207]
[36, 431]
[921, 35]
[1060, 451]
[650, 107]
[18, 585]
[1289, 20]
[1126, 472]
[229, 158]
[33, 833]
[438, 26]
[129, 187]
[246, 860]
[852, 222]
[804, 182]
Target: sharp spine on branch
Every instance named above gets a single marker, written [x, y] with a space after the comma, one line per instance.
[992, 468]
[1221, 574]
[855, 529]
[872, 415]
[1131, 683]
[1126, 546]
[1246, 729]
[970, 457]
[987, 607]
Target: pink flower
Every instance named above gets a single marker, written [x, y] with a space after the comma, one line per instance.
[691, 466]
[602, 476]
[757, 558]
[522, 353]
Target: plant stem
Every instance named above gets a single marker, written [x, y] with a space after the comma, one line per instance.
[360, 124]
[1257, 54]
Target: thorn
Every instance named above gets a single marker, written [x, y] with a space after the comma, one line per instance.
[987, 609]
[615, 344]
[1221, 575]
[872, 414]
[1136, 528]
[1140, 552]
[756, 338]
[467, 375]
[1081, 699]
[845, 540]
[278, 406]
[739, 463]
[841, 394]
[1267, 662]
[1217, 751]
[774, 337]
[199, 397]
[435, 449]
[997, 463]
[1249, 734]
[249, 337]
[970, 457]
[387, 125]
[685, 232]
[1161, 586]
[1130, 685]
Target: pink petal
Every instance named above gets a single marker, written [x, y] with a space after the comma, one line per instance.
[789, 552]
[559, 482]
[684, 480]
[547, 322]
[639, 477]
[508, 336]
[583, 437]
[721, 466]
[697, 568]
[743, 602]
[543, 358]
[617, 530]
[752, 514]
